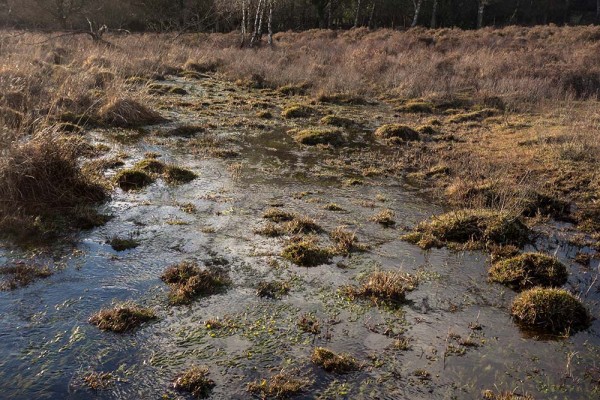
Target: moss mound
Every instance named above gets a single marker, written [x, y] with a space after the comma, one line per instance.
[332, 362]
[122, 318]
[313, 137]
[195, 381]
[187, 282]
[397, 131]
[306, 253]
[177, 175]
[528, 270]
[298, 111]
[335, 120]
[550, 310]
[151, 166]
[420, 107]
[127, 113]
[133, 179]
[476, 227]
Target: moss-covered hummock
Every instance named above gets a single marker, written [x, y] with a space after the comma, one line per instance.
[298, 111]
[334, 120]
[177, 175]
[332, 362]
[528, 270]
[195, 381]
[277, 215]
[187, 281]
[306, 253]
[476, 227]
[397, 131]
[122, 318]
[415, 106]
[127, 113]
[315, 136]
[550, 310]
[384, 286]
[122, 244]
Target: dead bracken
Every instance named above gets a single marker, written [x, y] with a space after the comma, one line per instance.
[306, 253]
[332, 362]
[195, 381]
[553, 311]
[122, 318]
[187, 281]
[279, 386]
[22, 274]
[528, 270]
[475, 227]
[383, 287]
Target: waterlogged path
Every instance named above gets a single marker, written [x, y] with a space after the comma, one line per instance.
[458, 336]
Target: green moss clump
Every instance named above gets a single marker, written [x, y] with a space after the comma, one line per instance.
[122, 318]
[195, 381]
[335, 120]
[528, 270]
[177, 175]
[151, 165]
[187, 281]
[397, 131]
[133, 179]
[315, 136]
[298, 111]
[417, 107]
[332, 362]
[306, 253]
[476, 227]
[550, 310]
[384, 287]
[479, 115]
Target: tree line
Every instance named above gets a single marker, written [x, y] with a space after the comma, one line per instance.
[281, 15]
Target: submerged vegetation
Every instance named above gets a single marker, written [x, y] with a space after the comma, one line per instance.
[22, 274]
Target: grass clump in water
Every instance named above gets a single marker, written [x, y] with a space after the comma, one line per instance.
[334, 120]
[385, 218]
[490, 395]
[98, 380]
[122, 318]
[127, 113]
[333, 207]
[122, 244]
[306, 253]
[187, 282]
[298, 111]
[346, 241]
[476, 227]
[273, 289]
[280, 386]
[133, 179]
[384, 287]
[309, 323]
[195, 381]
[332, 362]
[301, 224]
[528, 270]
[550, 310]
[270, 230]
[316, 136]
[22, 274]
[177, 175]
[398, 132]
[277, 215]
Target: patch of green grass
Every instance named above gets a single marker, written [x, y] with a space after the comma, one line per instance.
[122, 318]
[550, 310]
[195, 381]
[316, 136]
[528, 270]
[332, 362]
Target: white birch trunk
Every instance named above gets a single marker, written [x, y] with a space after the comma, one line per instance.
[418, 5]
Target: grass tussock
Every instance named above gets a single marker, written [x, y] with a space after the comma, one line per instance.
[128, 113]
[273, 289]
[397, 132]
[553, 311]
[475, 227]
[123, 244]
[385, 218]
[389, 287]
[278, 215]
[282, 385]
[98, 380]
[528, 270]
[419, 107]
[346, 241]
[302, 225]
[187, 282]
[305, 252]
[195, 381]
[43, 188]
[298, 111]
[122, 318]
[146, 171]
[334, 120]
[133, 179]
[317, 136]
[332, 362]
[22, 274]
[309, 323]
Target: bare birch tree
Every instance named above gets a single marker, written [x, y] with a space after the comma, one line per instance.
[417, 4]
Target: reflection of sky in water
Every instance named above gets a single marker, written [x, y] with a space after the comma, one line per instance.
[46, 343]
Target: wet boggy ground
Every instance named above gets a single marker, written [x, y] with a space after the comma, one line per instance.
[461, 339]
